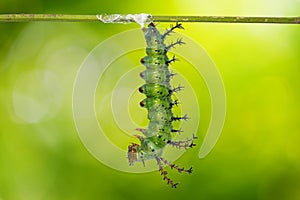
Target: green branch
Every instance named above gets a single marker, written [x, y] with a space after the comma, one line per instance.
[93, 18]
[228, 19]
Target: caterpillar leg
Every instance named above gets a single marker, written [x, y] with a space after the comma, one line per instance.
[188, 143]
[169, 31]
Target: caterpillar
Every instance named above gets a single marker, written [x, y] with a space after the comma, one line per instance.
[159, 104]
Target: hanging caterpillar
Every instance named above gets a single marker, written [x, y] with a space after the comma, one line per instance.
[159, 104]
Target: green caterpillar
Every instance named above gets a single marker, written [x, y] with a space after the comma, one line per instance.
[159, 104]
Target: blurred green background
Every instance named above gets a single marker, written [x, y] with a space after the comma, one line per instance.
[257, 156]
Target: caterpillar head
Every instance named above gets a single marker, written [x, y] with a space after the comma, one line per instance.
[148, 149]
[132, 153]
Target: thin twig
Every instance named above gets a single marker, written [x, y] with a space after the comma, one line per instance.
[228, 19]
[47, 17]
[93, 18]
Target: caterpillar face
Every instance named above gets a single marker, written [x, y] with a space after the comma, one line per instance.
[159, 104]
[133, 153]
[149, 148]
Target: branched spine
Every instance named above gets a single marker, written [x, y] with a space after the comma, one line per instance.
[172, 45]
[188, 143]
[169, 31]
[173, 166]
[185, 117]
[174, 103]
[164, 173]
[172, 60]
[171, 75]
[177, 89]
[177, 130]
